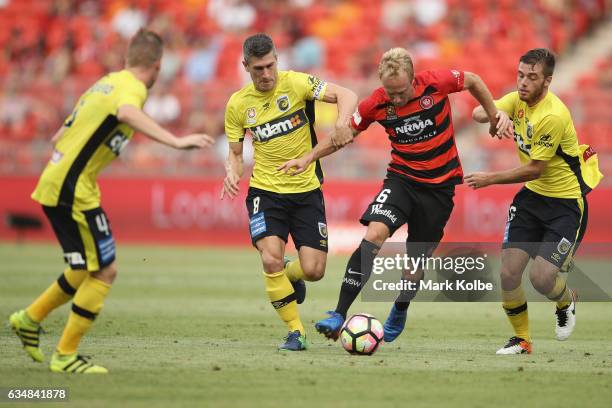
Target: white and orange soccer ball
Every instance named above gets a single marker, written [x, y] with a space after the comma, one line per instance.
[361, 334]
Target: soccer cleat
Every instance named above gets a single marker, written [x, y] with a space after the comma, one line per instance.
[74, 363]
[566, 319]
[394, 325]
[299, 287]
[515, 345]
[294, 341]
[330, 327]
[29, 334]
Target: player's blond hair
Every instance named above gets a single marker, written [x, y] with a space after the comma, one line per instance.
[145, 49]
[394, 61]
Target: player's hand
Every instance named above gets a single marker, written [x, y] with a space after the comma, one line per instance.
[295, 166]
[230, 185]
[342, 136]
[477, 180]
[195, 141]
[504, 126]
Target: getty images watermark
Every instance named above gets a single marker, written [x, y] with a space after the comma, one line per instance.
[470, 272]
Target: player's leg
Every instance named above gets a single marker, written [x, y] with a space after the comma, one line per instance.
[430, 211]
[565, 222]
[99, 255]
[357, 273]
[269, 228]
[383, 217]
[514, 303]
[26, 322]
[312, 261]
[280, 291]
[522, 236]
[308, 228]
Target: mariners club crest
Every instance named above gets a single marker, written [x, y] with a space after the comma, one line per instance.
[283, 103]
[323, 229]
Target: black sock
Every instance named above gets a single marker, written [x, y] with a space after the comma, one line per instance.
[405, 297]
[355, 276]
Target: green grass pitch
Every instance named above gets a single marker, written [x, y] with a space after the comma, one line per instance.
[192, 327]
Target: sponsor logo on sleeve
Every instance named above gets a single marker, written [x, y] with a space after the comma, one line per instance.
[457, 76]
[117, 142]
[544, 141]
[316, 86]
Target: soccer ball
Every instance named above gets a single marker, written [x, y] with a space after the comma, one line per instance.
[361, 334]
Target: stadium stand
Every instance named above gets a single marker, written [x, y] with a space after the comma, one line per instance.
[54, 49]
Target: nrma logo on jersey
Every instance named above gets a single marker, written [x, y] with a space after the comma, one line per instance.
[279, 127]
[414, 126]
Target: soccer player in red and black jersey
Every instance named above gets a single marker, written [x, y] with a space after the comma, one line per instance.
[421, 178]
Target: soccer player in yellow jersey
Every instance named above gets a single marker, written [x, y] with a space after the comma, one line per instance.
[548, 217]
[277, 111]
[100, 126]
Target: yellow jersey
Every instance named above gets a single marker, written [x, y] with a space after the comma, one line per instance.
[281, 124]
[546, 132]
[92, 138]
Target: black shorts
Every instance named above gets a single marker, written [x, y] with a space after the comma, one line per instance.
[546, 226]
[300, 214]
[85, 236]
[425, 209]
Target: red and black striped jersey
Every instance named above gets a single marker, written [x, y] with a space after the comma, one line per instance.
[421, 132]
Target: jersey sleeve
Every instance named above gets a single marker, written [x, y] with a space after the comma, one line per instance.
[308, 87]
[448, 80]
[547, 135]
[507, 103]
[363, 116]
[132, 93]
[233, 125]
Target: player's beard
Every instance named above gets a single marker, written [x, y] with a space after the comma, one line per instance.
[535, 96]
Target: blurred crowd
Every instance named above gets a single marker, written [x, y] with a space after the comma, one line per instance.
[52, 50]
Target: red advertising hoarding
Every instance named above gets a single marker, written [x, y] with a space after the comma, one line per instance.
[189, 211]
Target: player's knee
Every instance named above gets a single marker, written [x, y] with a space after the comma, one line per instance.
[509, 277]
[314, 269]
[377, 236]
[108, 274]
[541, 282]
[272, 262]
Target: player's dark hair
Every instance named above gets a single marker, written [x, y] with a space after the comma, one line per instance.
[257, 45]
[542, 56]
[145, 49]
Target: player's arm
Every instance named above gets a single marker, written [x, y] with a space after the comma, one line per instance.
[500, 122]
[140, 121]
[347, 102]
[234, 167]
[527, 172]
[325, 148]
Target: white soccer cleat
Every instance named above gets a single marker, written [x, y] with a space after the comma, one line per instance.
[515, 345]
[566, 319]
